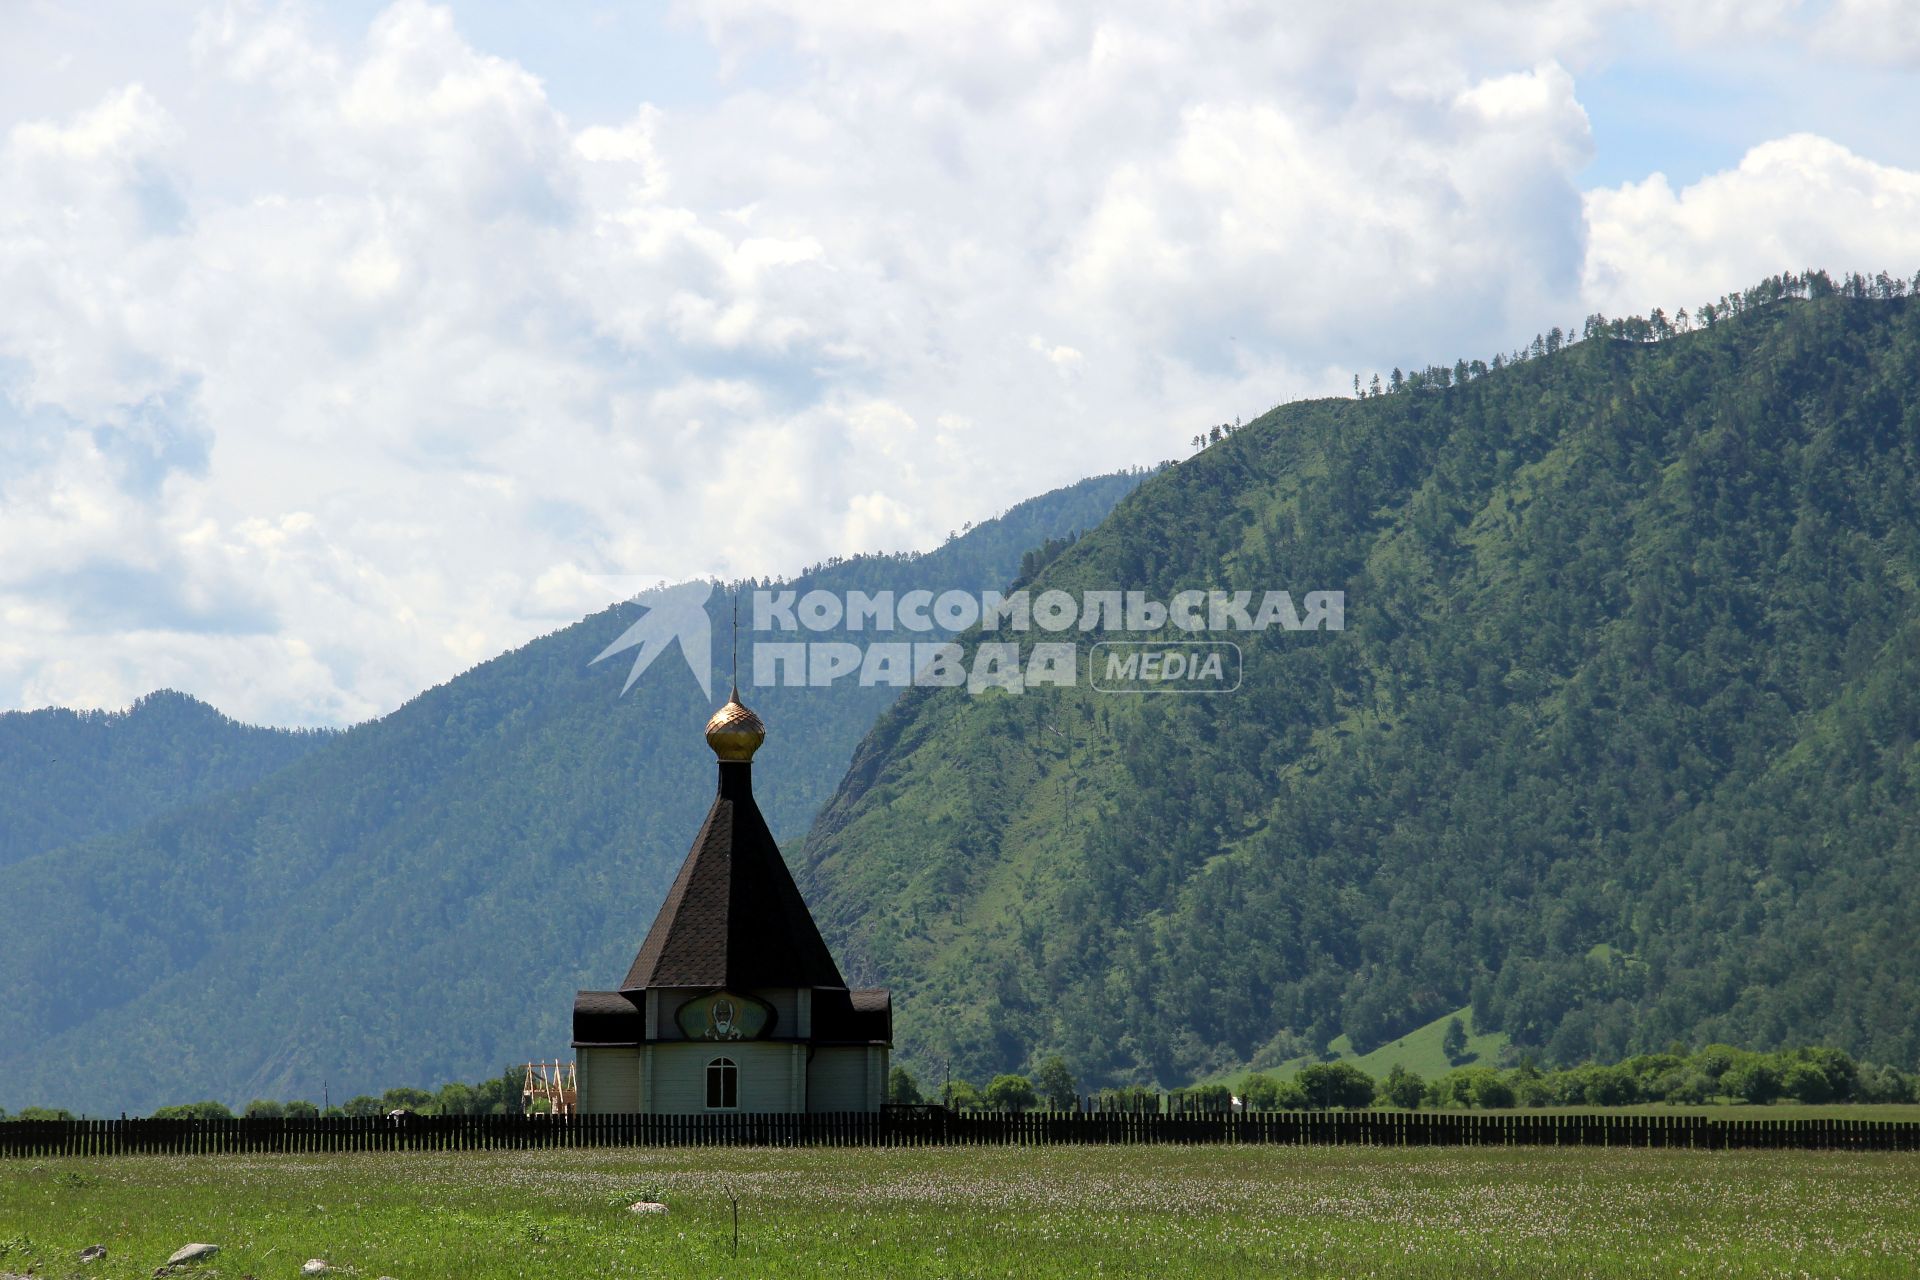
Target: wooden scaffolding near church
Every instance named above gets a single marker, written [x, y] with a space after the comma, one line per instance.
[552, 1083]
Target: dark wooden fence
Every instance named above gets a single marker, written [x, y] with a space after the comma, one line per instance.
[935, 1126]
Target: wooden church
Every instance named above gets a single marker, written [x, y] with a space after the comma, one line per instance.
[734, 1002]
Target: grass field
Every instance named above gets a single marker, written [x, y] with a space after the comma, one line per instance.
[1059, 1211]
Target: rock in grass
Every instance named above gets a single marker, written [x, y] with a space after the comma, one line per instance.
[316, 1267]
[188, 1254]
[646, 1206]
[94, 1253]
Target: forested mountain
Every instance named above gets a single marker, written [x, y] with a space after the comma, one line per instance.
[417, 898]
[74, 775]
[1618, 743]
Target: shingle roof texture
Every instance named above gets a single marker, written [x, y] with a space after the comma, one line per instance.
[734, 917]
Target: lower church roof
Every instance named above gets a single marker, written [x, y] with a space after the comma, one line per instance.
[603, 1019]
[606, 1018]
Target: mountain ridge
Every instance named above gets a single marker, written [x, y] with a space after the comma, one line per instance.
[418, 899]
[1592, 599]
[75, 775]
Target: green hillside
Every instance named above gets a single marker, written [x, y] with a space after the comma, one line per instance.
[417, 898]
[1617, 746]
[74, 775]
[1423, 1050]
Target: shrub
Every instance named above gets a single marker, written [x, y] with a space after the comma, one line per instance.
[1715, 1060]
[1535, 1090]
[404, 1099]
[1454, 1043]
[1290, 1096]
[902, 1088]
[1335, 1084]
[1010, 1093]
[1884, 1084]
[1649, 1068]
[208, 1110]
[1056, 1084]
[1489, 1090]
[1597, 1086]
[1401, 1088]
[962, 1096]
[1753, 1081]
[1691, 1088]
[1133, 1099]
[1260, 1093]
[1450, 1090]
[1805, 1082]
[1212, 1098]
[1839, 1076]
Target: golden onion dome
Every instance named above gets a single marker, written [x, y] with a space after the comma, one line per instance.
[735, 733]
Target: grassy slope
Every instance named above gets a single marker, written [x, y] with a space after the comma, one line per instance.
[1419, 1051]
[1032, 1212]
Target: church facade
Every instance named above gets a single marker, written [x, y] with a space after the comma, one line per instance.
[734, 1003]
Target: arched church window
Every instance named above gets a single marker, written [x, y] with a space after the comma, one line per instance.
[723, 1084]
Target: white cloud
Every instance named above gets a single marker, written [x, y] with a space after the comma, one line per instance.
[331, 365]
[1878, 31]
[1794, 202]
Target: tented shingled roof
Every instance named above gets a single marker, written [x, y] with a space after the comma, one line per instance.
[734, 917]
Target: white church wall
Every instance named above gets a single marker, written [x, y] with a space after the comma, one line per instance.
[680, 1075]
[609, 1081]
[841, 1079]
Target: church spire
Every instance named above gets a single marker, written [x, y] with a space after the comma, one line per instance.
[734, 917]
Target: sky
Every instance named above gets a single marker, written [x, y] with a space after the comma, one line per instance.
[345, 346]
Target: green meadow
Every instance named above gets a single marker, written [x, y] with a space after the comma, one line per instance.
[1058, 1211]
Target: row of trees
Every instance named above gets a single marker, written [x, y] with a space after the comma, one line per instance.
[1717, 1073]
[1221, 431]
[1051, 1088]
[1657, 327]
[496, 1096]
